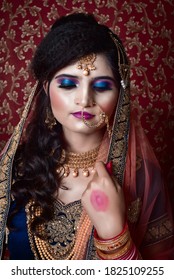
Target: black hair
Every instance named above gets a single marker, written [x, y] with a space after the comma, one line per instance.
[72, 37]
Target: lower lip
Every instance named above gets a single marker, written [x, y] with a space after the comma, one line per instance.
[86, 116]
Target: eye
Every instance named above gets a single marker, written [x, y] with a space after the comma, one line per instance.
[66, 83]
[102, 85]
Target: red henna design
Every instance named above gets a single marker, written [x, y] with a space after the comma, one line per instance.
[99, 200]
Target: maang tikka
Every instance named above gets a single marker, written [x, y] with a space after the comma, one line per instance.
[86, 63]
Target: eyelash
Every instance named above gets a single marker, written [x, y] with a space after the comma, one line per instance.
[103, 88]
[67, 87]
[64, 84]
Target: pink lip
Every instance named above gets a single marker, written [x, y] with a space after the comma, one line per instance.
[86, 115]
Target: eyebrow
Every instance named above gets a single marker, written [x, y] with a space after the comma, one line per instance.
[66, 75]
[104, 78]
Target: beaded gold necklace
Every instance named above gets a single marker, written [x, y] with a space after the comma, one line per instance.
[77, 161]
[42, 249]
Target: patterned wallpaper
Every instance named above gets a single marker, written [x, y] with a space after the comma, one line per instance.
[146, 28]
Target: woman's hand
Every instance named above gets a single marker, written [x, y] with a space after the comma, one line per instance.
[103, 200]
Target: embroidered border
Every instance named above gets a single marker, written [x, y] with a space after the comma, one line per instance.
[119, 143]
[158, 230]
[6, 169]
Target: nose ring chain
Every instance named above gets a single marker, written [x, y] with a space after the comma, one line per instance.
[103, 118]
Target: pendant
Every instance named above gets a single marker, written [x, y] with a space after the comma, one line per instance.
[86, 172]
[75, 172]
[65, 171]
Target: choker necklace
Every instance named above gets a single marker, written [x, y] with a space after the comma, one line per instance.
[77, 161]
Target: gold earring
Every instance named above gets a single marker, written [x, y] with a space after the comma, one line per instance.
[50, 120]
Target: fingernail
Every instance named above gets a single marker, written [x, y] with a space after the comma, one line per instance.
[109, 167]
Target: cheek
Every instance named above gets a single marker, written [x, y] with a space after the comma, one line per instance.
[108, 104]
[110, 108]
[57, 101]
[99, 200]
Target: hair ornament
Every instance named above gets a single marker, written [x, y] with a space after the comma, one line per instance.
[86, 63]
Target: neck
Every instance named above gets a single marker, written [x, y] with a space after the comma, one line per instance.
[80, 143]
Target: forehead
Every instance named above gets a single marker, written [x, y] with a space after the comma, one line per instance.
[102, 68]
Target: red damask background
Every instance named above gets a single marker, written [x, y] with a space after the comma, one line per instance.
[146, 29]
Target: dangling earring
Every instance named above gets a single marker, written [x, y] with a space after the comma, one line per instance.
[50, 119]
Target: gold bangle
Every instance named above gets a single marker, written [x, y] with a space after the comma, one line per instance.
[112, 244]
[117, 254]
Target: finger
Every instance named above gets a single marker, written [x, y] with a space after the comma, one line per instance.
[100, 169]
[117, 186]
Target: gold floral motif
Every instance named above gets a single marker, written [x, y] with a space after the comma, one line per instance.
[61, 231]
[65, 237]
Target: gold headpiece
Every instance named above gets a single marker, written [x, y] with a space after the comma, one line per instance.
[86, 63]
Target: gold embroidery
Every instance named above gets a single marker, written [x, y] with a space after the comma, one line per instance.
[60, 233]
[158, 230]
[5, 168]
[134, 210]
[118, 145]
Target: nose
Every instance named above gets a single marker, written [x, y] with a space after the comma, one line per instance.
[84, 98]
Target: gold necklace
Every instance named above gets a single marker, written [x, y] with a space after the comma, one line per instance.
[76, 161]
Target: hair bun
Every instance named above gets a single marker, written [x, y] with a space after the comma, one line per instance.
[74, 18]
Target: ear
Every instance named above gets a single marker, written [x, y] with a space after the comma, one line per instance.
[45, 86]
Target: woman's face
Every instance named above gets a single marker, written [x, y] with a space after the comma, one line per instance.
[71, 92]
